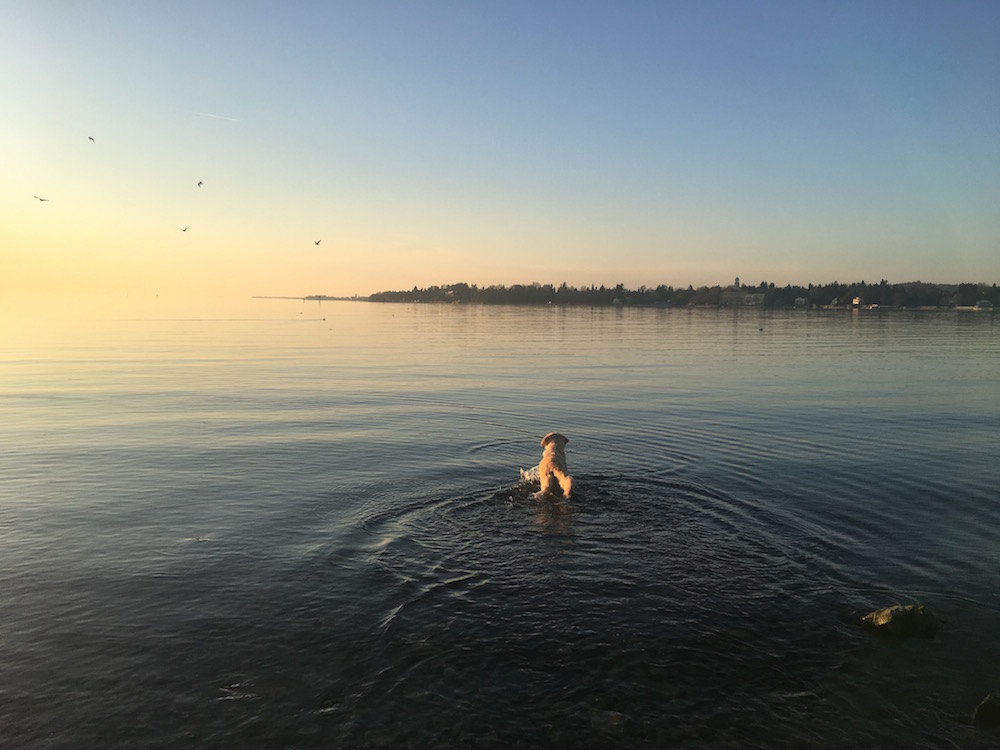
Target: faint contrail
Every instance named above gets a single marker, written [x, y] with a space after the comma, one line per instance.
[217, 117]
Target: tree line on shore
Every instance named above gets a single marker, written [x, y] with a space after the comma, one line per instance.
[834, 294]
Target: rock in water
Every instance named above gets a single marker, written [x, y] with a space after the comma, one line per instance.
[903, 621]
[987, 713]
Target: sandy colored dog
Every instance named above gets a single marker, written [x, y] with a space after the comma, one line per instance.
[552, 468]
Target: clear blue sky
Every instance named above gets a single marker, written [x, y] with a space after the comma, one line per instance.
[496, 142]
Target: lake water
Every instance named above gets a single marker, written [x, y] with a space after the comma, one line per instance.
[300, 525]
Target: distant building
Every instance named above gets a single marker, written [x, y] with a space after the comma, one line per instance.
[801, 302]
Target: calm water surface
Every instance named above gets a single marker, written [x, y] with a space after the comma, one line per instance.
[295, 525]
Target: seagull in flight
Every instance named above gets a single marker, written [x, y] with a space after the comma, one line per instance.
[43, 200]
[185, 229]
[316, 242]
[91, 138]
[199, 183]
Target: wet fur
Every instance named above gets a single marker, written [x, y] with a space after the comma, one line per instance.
[552, 473]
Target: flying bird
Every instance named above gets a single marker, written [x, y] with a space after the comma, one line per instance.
[316, 242]
[185, 229]
[199, 183]
[43, 200]
[91, 138]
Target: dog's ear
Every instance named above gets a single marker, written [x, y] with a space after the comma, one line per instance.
[548, 439]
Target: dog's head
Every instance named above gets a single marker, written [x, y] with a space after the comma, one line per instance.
[554, 437]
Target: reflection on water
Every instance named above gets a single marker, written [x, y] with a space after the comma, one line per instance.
[554, 515]
[303, 525]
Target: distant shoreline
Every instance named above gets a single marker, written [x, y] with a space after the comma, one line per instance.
[842, 308]
[915, 295]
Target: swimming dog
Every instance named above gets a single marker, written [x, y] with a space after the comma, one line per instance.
[552, 468]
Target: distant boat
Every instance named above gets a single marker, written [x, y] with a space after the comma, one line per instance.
[984, 304]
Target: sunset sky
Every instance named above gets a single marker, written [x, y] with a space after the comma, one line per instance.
[495, 143]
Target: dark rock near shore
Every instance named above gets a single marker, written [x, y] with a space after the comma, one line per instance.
[987, 713]
[902, 621]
